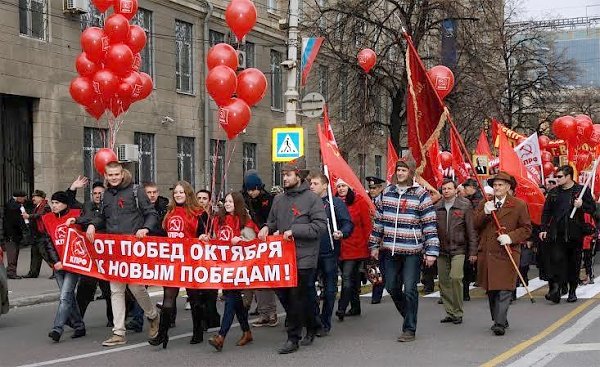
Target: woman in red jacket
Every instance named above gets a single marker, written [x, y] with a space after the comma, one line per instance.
[233, 224]
[354, 250]
[185, 218]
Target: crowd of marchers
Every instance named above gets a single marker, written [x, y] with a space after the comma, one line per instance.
[461, 233]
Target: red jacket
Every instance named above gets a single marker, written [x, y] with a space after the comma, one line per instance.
[356, 246]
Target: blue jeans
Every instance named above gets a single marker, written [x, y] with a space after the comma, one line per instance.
[68, 310]
[403, 270]
[327, 270]
[350, 285]
[378, 289]
[234, 306]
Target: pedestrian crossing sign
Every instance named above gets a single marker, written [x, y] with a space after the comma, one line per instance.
[288, 143]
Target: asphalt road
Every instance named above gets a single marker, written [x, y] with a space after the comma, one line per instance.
[368, 340]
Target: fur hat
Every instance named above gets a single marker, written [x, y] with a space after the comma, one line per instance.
[298, 165]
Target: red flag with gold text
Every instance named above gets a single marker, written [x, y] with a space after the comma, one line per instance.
[392, 158]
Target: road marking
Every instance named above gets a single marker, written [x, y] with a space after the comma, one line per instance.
[549, 330]
[534, 284]
[120, 349]
[587, 291]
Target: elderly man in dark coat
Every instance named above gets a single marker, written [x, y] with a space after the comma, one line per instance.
[495, 272]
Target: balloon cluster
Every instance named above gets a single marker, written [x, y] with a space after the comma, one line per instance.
[578, 132]
[234, 94]
[108, 67]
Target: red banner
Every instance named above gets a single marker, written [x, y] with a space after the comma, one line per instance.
[483, 147]
[392, 158]
[182, 262]
[458, 162]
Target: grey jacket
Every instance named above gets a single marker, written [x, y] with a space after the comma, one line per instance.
[300, 210]
[122, 213]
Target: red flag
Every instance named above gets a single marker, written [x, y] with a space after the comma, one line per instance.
[433, 168]
[426, 114]
[338, 168]
[458, 162]
[392, 158]
[483, 147]
[495, 130]
[527, 190]
[328, 131]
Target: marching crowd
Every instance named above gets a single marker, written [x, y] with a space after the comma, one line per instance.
[416, 232]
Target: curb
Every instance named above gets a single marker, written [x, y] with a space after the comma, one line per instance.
[33, 300]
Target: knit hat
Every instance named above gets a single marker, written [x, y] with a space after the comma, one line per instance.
[253, 182]
[61, 197]
[298, 164]
[39, 193]
[408, 162]
[340, 181]
[98, 184]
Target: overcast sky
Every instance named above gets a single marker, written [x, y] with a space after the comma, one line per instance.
[546, 9]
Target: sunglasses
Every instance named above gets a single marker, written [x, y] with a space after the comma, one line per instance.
[372, 187]
[560, 176]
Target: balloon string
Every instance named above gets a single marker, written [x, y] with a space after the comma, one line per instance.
[213, 200]
[229, 155]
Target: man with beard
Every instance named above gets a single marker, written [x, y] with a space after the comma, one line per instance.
[405, 230]
[563, 235]
[298, 215]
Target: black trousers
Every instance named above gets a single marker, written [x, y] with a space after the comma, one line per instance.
[86, 290]
[428, 277]
[12, 247]
[38, 253]
[563, 261]
[470, 275]
[499, 303]
[300, 312]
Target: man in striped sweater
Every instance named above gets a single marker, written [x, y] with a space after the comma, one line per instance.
[405, 232]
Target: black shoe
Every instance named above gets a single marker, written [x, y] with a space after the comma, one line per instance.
[465, 298]
[14, 276]
[288, 347]
[375, 302]
[340, 315]
[78, 334]
[506, 326]
[564, 289]
[307, 340]
[427, 290]
[172, 324]
[447, 319]
[554, 293]
[198, 324]
[457, 320]
[352, 313]
[29, 276]
[52, 276]
[440, 302]
[54, 335]
[322, 333]
[498, 330]
[572, 295]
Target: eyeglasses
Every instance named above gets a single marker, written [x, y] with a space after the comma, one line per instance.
[372, 187]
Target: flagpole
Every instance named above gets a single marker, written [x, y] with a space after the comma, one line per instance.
[587, 184]
[330, 196]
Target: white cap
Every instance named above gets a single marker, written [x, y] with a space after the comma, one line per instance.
[341, 182]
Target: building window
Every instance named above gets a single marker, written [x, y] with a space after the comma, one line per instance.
[324, 82]
[33, 18]
[215, 37]
[183, 56]
[146, 171]
[217, 163]
[277, 175]
[93, 18]
[344, 96]
[250, 49]
[249, 157]
[276, 81]
[378, 160]
[322, 19]
[93, 140]
[362, 164]
[185, 159]
[143, 18]
[272, 6]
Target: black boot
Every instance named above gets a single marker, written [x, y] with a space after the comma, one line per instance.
[163, 329]
[554, 293]
[198, 324]
[572, 296]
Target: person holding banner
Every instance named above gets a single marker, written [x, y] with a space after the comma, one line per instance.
[68, 310]
[298, 215]
[563, 234]
[184, 218]
[125, 210]
[233, 225]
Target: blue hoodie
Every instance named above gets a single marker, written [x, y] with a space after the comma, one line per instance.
[344, 224]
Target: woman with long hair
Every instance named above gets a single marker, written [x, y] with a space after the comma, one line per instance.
[233, 225]
[354, 249]
[183, 208]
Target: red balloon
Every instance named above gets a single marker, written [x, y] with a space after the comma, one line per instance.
[105, 83]
[137, 38]
[116, 28]
[137, 62]
[222, 54]
[594, 138]
[81, 90]
[565, 128]
[94, 42]
[147, 86]
[583, 161]
[118, 106]
[548, 168]
[251, 86]
[240, 16]
[95, 108]
[544, 141]
[130, 87]
[119, 59]
[85, 67]
[546, 157]
[367, 59]
[103, 157]
[234, 117]
[127, 8]
[102, 5]
[442, 79]
[584, 128]
[446, 159]
[221, 83]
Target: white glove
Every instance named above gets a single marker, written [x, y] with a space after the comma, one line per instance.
[504, 239]
[489, 207]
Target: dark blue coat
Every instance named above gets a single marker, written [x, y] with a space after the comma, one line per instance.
[344, 224]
